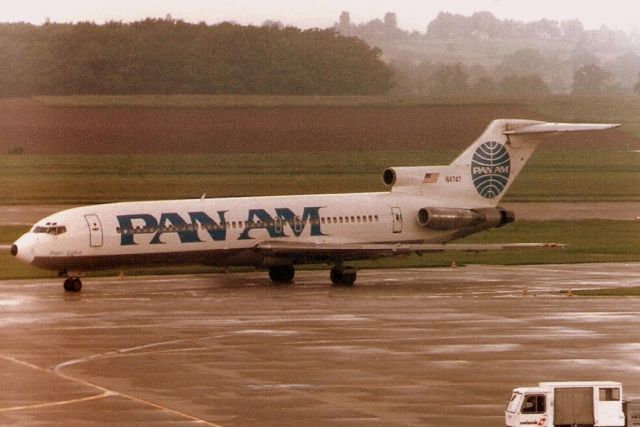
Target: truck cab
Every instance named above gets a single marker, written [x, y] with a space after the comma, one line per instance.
[577, 403]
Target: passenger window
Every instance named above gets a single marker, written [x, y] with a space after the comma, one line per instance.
[341, 219]
[534, 404]
[322, 220]
[609, 394]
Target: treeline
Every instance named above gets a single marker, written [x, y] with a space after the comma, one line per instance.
[525, 72]
[482, 55]
[173, 57]
[485, 26]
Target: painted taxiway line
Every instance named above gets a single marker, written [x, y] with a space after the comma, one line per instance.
[61, 402]
[106, 392]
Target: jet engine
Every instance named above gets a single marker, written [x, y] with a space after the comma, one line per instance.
[455, 218]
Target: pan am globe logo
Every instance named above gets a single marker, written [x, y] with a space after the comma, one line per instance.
[490, 169]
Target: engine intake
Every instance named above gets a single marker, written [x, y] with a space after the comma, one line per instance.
[455, 218]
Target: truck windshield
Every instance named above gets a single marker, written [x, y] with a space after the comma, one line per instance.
[514, 403]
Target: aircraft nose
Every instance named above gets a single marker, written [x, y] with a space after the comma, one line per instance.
[23, 249]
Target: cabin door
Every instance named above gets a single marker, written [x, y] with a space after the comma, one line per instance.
[95, 230]
[396, 215]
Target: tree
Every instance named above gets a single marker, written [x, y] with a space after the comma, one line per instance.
[523, 62]
[590, 80]
[624, 68]
[448, 80]
[636, 87]
[529, 85]
[484, 86]
[390, 21]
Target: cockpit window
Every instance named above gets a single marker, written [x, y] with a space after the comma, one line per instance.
[50, 229]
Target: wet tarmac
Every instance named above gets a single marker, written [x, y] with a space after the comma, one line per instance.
[434, 347]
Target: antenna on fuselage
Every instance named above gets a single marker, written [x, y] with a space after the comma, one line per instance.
[203, 196]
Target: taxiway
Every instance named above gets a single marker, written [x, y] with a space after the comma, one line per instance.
[435, 347]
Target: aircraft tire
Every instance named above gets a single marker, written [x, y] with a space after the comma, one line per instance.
[343, 276]
[72, 284]
[282, 274]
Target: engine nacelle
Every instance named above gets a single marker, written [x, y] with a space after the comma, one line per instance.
[456, 218]
[409, 176]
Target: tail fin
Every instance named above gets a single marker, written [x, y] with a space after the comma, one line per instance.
[482, 174]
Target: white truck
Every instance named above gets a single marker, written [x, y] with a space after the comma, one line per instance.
[572, 404]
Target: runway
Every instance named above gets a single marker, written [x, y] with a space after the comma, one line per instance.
[434, 347]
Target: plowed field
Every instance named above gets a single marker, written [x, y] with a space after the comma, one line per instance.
[38, 129]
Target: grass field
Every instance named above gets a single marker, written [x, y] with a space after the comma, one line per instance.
[609, 292]
[550, 175]
[589, 241]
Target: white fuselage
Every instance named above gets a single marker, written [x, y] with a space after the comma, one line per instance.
[218, 231]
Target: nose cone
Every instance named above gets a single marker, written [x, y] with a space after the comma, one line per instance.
[23, 248]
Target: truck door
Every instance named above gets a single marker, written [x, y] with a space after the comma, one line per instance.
[533, 410]
[609, 407]
[573, 406]
[95, 230]
[396, 215]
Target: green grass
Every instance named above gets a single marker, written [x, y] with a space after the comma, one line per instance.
[572, 175]
[611, 292]
[589, 241]
[10, 233]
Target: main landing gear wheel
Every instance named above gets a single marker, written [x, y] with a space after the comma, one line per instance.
[345, 276]
[282, 274]
[72, 284]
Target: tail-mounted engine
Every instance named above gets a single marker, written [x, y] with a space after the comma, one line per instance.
[455, 218]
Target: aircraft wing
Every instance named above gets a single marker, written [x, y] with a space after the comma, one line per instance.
[304, 251]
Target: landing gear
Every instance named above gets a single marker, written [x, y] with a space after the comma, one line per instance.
[343, 276]
[72, 284]
[282, 273]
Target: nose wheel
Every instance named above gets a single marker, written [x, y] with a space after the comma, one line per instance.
[72, 284]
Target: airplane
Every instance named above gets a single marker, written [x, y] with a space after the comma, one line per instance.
[424, 208]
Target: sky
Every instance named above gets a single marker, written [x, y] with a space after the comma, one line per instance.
[412, 14]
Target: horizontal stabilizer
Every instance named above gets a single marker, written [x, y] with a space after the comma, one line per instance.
[558, 127]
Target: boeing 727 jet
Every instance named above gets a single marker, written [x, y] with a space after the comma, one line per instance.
[425, 208]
